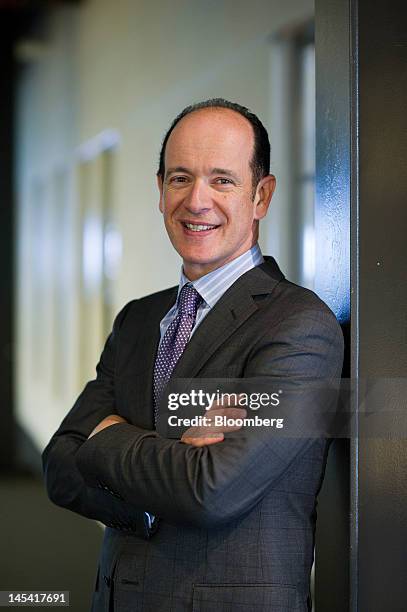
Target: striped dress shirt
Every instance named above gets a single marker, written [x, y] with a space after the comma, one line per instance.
[213, 285]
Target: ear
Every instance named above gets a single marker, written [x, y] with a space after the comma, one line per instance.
[160, 189]
[264, 193]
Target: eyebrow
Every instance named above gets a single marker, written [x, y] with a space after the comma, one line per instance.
[226, 172]
[223, 171]
[177, 169]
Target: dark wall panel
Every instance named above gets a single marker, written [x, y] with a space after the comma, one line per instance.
[332, 224]
[382, 545]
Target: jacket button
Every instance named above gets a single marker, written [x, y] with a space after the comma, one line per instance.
[107, 580]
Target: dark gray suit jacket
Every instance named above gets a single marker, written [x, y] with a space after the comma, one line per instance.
[237, 518]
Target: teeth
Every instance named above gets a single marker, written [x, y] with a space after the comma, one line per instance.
[199, 228]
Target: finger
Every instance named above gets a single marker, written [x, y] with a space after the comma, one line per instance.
[201, 432]
[202, 441]
[231, 421]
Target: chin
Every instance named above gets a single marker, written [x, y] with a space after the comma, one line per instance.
[199, 256]
[198, 261]
[196, 256]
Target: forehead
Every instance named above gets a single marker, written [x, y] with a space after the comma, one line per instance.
[220, 137]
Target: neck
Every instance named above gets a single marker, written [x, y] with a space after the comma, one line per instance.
[194, 271]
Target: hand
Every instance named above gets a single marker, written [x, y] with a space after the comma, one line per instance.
[211, 433]
[112, 419]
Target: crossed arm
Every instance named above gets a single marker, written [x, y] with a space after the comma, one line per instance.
[185, 483]
[195, 436]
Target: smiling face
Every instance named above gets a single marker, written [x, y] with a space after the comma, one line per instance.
[206, 196]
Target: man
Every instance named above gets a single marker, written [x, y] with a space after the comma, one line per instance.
[216, 520]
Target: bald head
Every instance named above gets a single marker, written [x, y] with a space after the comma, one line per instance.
[260, 155]
[220, 137]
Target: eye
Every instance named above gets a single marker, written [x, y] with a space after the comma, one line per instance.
[177, 179]
[223, 181]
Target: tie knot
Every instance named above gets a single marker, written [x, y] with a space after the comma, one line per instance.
[189, 300]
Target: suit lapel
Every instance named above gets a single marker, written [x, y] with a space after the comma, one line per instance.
[149, 344]
[234, 308]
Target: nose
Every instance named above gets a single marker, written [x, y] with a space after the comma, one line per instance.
[198, 200]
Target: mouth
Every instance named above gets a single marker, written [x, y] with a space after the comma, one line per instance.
[199, 228]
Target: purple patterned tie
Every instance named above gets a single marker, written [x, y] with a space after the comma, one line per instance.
[174, 340]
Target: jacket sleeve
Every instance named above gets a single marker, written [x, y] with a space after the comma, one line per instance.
[212, 485]
[64, 482]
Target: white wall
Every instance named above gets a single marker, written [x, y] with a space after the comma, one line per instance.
[130, 66]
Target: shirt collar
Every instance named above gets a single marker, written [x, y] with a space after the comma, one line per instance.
[213, 285]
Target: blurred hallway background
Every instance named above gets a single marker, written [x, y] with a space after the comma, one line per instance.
[44, 547]
[88, 90]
